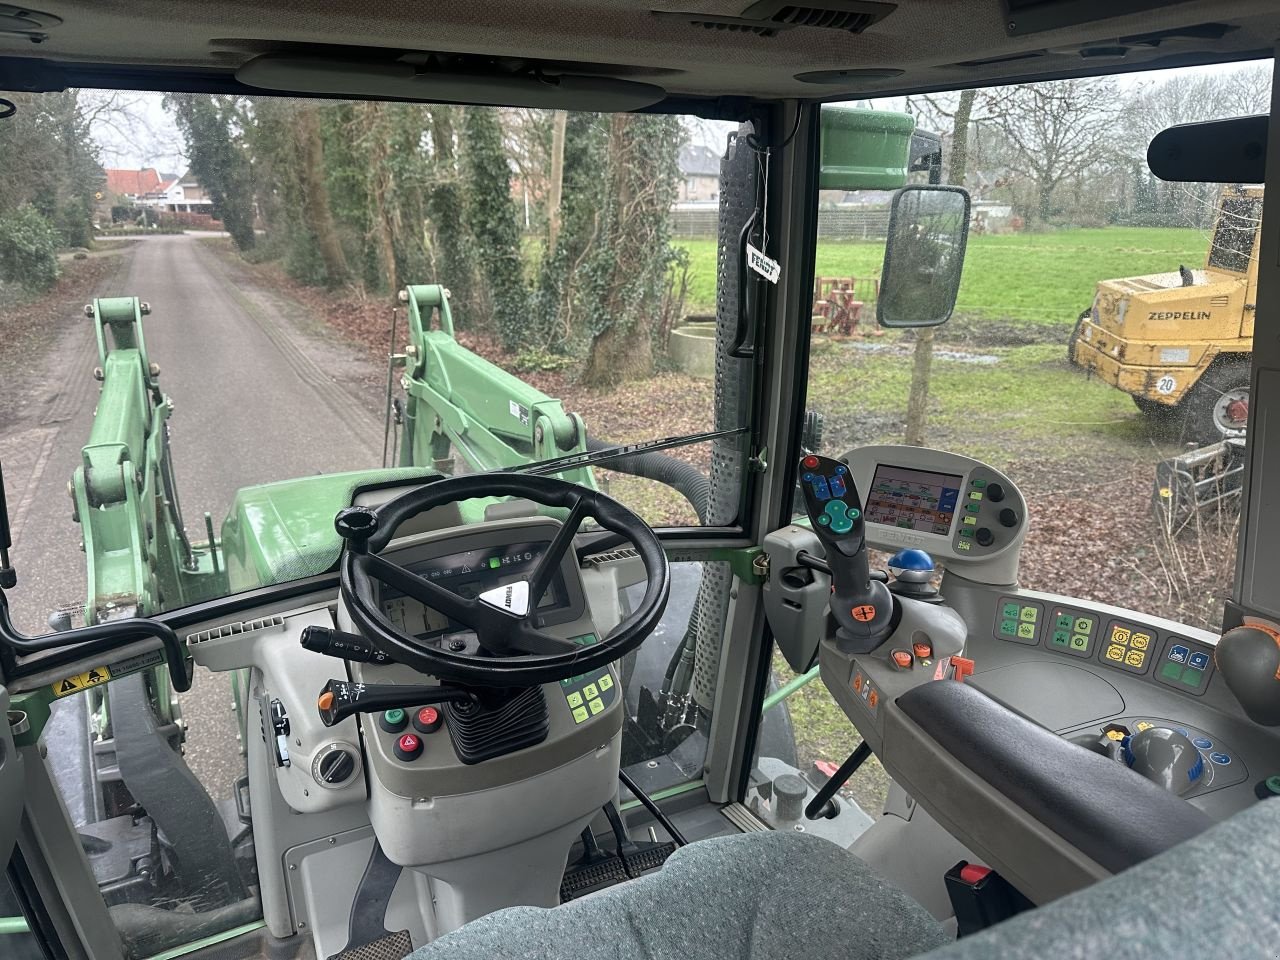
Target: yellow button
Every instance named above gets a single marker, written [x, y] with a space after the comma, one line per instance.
[606, 682]
[1140, 641]
[1116, 735]
[580, 714]
[1143, 725]
[1135, 658]
[1119, 634]
[590, 691]
[971, 521]
[1026, 630]
[1115, 653]
[575, 699]
[596, 706]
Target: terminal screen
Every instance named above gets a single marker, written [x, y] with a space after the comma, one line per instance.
[913, 499]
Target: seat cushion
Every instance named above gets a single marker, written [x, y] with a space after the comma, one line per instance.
[758, 896]
[1214, 896]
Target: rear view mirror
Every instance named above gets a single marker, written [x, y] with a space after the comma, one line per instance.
[924, 256]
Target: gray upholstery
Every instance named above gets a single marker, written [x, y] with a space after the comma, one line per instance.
[758, 896]
[776, 896]
[1216, 895]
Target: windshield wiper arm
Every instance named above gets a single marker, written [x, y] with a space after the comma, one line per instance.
[608, 454]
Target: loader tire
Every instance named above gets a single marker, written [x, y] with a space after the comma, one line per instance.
[1075, 334]
[1205, 412]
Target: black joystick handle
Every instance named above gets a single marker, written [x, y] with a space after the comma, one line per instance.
[340, 699]
[863, 607]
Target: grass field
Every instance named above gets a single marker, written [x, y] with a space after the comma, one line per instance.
[1034, 278]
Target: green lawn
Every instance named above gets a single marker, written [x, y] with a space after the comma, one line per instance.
[1041, 278]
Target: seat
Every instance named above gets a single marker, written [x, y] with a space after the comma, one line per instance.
[783, 896]
[757, 896]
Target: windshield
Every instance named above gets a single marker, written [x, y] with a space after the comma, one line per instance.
[224, 316]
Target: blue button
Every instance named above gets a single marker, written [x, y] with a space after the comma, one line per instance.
[1184, 732]
[1178, 654]
[1220, 758]
[820, 488]
[837, 486]
[842, 469]
[1204, 743]
[808, 477]
[1198, 660]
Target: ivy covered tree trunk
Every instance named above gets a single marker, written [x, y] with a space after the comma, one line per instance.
[315, 194]
[218, 159]
[630, 264]
[453, 257]
[495, 225]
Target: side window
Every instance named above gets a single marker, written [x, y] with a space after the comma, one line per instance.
[1098, 353]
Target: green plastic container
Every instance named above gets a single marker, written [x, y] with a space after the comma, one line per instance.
[864, 149]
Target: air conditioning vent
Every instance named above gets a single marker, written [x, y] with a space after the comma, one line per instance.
[767, 17]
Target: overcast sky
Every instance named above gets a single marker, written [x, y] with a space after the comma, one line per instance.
[142, 134]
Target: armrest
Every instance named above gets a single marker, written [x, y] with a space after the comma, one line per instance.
[1112, 815]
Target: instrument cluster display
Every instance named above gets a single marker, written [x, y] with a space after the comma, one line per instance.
[468, 574]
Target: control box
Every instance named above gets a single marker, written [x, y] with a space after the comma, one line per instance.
[959, 510]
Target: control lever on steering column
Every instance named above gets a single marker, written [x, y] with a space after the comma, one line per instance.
[340, 699]
[863, 607]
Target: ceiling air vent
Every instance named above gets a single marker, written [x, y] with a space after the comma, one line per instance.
[766, 18]
[25, 23]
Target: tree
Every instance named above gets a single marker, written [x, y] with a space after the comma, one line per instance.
[315, 192]
[1057, 130]
[629, 267]
[494, 225]
[218, 159]
[453, 258]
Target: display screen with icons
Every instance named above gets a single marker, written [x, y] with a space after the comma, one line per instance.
[467, 574]
[913, 499]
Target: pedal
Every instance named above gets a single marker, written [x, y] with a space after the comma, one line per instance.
[394, 946]
[583, 878]
[647, 857]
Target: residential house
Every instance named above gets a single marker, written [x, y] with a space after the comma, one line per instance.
[166, 192]
[699, 174]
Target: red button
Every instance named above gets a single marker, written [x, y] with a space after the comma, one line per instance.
[408, 747]
[973, 873]
[922, 650]
[961, 667]
[810, 462]
[427, 720]
[901, 659]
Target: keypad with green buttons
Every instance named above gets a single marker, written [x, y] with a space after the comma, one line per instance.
[1018, 620]
[589, 694]
[1071, 631]
[839, 516]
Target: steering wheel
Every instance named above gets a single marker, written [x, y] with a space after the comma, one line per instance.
[514, 652]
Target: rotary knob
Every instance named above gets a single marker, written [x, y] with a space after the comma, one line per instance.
[334, 766]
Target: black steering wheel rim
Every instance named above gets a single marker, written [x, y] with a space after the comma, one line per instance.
[369, 530]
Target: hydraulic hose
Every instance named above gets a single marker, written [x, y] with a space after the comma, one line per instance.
[685, 478]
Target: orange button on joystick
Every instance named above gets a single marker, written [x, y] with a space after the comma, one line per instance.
[901, 659]
[326, 700]
[923, 650]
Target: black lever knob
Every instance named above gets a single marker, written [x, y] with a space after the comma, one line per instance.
[1248, 657]
[356, 525]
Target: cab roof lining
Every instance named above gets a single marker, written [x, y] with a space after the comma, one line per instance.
[935, 44]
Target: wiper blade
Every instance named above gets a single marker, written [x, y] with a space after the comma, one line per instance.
[608, 454]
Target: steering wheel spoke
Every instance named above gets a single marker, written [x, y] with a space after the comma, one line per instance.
[527, 639]
[550, 560]
[433, 595]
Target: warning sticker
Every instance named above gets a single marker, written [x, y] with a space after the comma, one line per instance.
[1166, 385]
[81, 681]
[519, 411]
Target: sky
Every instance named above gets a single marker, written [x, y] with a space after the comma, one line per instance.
[140, 133]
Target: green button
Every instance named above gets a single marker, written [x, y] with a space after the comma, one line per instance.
[972, 507]
[1171, 670]
[1064, 622]
[975, 495]
[1084, 624]
[580, 715]
[1192, 677]
[596, 706]
[1026, 630]
[970, 521]
[967, 534]
[394, 717]
[1009, 627]
[1080, 642]
[606, 682]
[1028, 614]
[1009, 611]
[590, 691]
[1061, 638]
[978, 484]
[575, 699]
[1273, 784]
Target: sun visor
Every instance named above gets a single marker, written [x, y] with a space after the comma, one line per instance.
[1215, 151]
[398, 80]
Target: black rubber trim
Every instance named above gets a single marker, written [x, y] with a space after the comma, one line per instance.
[1102, 808]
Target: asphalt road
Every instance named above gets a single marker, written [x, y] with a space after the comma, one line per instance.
[260, 395]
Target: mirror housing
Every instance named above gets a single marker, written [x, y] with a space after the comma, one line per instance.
[923, 256]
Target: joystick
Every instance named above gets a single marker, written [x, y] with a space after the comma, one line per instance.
[863, 607]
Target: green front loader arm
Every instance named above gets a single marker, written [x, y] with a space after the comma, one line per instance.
[139, 557]
[457, 398]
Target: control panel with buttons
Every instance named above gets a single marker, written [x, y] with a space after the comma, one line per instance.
[1071, 631]
[1221, 766]
[1185, 664]
[1127, 646]
[1019, 620]
[589, 694]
